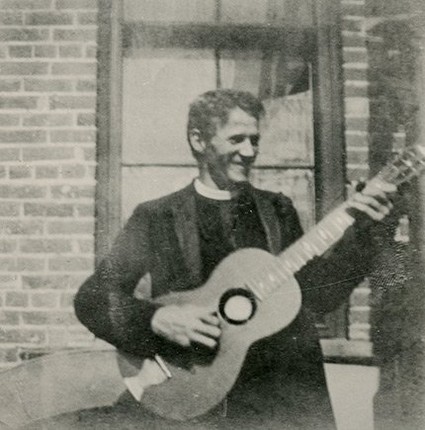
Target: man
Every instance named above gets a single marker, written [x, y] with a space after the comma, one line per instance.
[179, 239]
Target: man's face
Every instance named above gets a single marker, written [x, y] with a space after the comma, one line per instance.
[233, 149]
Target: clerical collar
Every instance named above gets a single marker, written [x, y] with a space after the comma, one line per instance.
[212, 193]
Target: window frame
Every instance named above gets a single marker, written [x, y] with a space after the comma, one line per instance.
[328, 116]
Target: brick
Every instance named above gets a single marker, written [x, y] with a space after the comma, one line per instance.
[87, 85]
[21, 227]
[84, 210]
[47, 120]
[9, 281]
[58, 338]
[86, 246]
[356, 91]
[76, 4]
[73, 136]
[74, 68]
[49, 318]
[18, 102]
[8, 264]
[67, 300]
[47, 85]
[86, 119]
[24, 264]
[355, 173]
[91, 51]
[23, 34]
[9, 209]
[9, 317]
[87, 18]
[71, 264]
[360, 124]
[355, 56]
[48, 209]
[25, 4]
[356, 74]
[9, 120]
[360, 297]
[45, 246]
[19, 172]
[357, 140]
[73, 171]
[72, 191]
[353, 40]
[11, 18]
[22, 191]
[356, 107]
[71, 51]
[81, 35]
[9, 355]
[16, 298]
[89, 154]
[357, 157]
[7, 246]
[52, 282]
[48, 18]
[45, 299]
[45, 51]
[23, 136]
[22, 336]
[352, 24]
[359, 332]
[2, 172]
[48, 153]
[70, 227]
[10, 84]
[46, 172]
[9, 154]
[23, 68]
[20, 51]
[353, 9]
[72, 102]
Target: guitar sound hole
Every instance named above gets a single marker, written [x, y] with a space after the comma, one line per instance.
[237, 306]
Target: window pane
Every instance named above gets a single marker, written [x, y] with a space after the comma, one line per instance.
[158, 85]
[287, 131]
[244, 11]
[292, 13]
[294, 183]
[170, 10]
[140, 184]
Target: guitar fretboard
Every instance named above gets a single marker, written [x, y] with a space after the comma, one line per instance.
[313, 244]
[331, 229]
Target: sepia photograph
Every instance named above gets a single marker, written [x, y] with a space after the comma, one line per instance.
[212, 214]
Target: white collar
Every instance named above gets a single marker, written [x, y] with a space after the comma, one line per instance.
[211, 193]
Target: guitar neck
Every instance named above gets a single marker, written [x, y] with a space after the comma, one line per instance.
[330, 230]
[317, 241]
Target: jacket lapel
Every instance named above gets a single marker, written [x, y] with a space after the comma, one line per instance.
[186, 228]
[269, 220]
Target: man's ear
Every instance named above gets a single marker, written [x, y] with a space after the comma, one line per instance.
[196, 141]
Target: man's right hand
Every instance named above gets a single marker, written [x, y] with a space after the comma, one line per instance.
[186, 324]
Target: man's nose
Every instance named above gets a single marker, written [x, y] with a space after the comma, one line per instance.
[247, 149]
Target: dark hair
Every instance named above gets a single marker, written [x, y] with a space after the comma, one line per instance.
[213, 107]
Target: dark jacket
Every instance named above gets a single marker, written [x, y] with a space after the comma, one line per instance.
[161, 238]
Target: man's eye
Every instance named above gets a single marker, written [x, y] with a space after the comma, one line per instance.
[241, 138]
[238, 139]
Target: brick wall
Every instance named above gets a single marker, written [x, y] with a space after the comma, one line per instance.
[47, 163]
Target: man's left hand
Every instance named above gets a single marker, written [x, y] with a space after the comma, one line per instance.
[374, 200]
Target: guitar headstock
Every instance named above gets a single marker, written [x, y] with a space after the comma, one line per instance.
[408, 164]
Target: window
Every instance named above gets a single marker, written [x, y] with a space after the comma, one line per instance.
[158, 55]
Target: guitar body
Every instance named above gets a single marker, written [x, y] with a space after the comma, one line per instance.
[199, 380]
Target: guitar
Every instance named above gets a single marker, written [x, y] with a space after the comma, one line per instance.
[255, 295]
